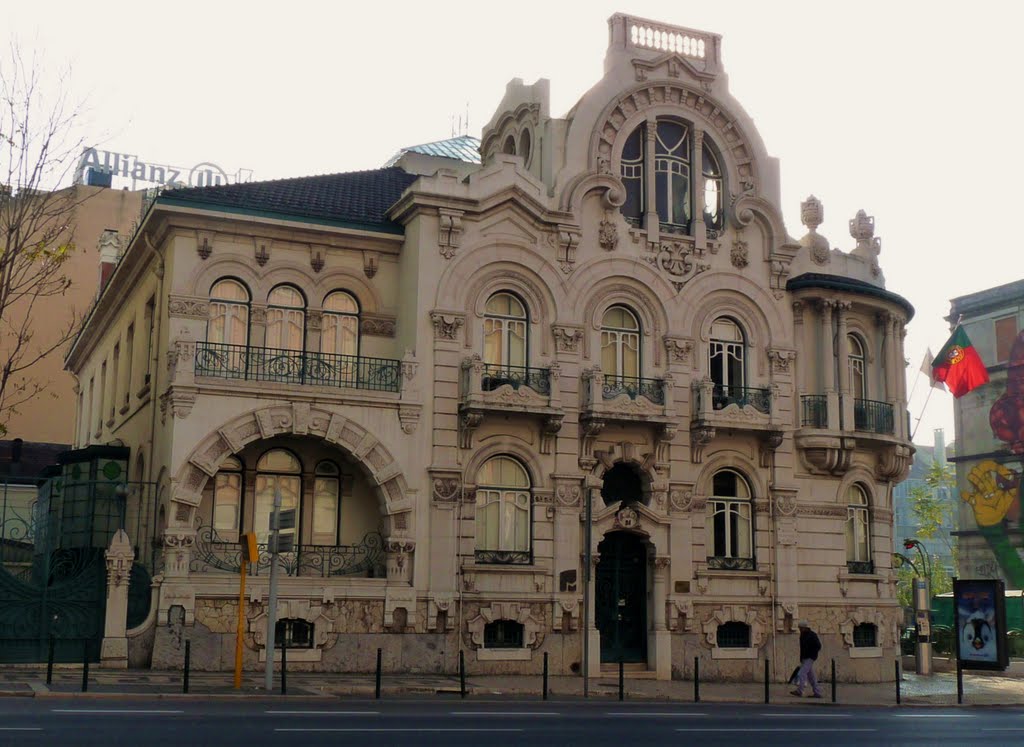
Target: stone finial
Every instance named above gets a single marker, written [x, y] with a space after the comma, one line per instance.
[812, 213]
[862, 228]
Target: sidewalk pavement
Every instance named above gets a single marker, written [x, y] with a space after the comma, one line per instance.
[940, 689]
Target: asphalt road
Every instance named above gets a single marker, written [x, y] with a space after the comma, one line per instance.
[280, 722]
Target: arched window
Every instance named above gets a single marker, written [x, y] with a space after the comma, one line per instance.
[675, 200]
[503, 512]
[510, 145]
[855, 366]
[713, 187]
[227, 499]
[730, 526]
[326, 504]
[726, 359]
[229, 313]
[286, 319]
[525, 145]
[858, 538]
[620, 344]
[277, 470]
[672, 173]
[506, 327]
[340, 335]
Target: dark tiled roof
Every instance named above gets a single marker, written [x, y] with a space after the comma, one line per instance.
[23, 462]
[851, 285]
[356, 197]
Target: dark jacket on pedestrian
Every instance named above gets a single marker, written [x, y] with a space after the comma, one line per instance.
[809, 644]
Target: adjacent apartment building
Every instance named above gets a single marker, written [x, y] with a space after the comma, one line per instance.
[582, 339]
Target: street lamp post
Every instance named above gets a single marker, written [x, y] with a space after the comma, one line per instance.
[922, 607]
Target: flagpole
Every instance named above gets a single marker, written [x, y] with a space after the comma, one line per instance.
[918, 424]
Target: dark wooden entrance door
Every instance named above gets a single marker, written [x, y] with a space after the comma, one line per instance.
[621, 598]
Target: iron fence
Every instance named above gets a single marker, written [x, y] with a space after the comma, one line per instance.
[633, 387]
[366, 558]
[759, 399]
[814, 410]
[496, 375]
[251, 363]
[876, 417]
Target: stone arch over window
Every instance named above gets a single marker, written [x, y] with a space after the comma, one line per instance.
[367, 295]
[228, 320]
[754, 310]
[857, 530]
[205, 274]
[473, 290]
[727, 359]
[370, 453]
[621, 343]
[510, 446]
[506, 331]
[340, 326]
[730, 522]
[504, 508]
[734, 460]
[509, 146]
[641, 300]
[286, 318]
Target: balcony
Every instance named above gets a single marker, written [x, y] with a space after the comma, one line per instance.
[248, 363]
[874, 417]
[487, 389]
[626, 399]
[813, 411]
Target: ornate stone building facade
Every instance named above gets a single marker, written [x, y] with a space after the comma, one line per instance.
[441, 362]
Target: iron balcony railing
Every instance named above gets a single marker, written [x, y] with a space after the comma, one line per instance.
[759, 399]
[876, 417]
[814, 410]
[718, 563]
[503, 557]
[860, 566]
[633, 387]
[496, 375]
[250, 363]
[366, 558]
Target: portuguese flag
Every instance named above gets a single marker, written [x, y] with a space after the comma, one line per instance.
[959, 365]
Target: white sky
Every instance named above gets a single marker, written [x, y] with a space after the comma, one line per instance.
[907, 109]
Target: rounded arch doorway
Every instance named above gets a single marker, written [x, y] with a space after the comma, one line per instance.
[620, 599]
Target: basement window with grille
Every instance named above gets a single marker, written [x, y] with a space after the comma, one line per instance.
[293, 633]
[734, 634]
[865, 635]
[503, 634]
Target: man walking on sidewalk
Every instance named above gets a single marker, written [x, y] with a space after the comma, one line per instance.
[809, 648]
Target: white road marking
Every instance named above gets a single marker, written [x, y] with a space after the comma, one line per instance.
[1003, 728]
[934, 715]
[503, 713]
[386, 729]
[21, 728]
[111, 710]
[762, 729]
[807, 715]
[324, 713]
[644, 714]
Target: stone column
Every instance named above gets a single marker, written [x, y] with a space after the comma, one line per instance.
[829, 361]
[700, 235]
[258, 326]
[398, 551]
[846, 397]
[114, 651]
[899, 332]
[592, 634]
[650, 183]
[662, 637]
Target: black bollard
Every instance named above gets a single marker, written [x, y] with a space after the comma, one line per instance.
[696, 679]
[377, 688]
[897, 682]
[188, 663]
[85, 667]
[545, 675]
[833, 680]
[959, 683]
[622, 678]
[49, 663]
[462, 673]
[284, 669]
[766, 695]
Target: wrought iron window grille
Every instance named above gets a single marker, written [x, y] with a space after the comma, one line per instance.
[503, 557]
[865, 635]
[633, 387]
[733, 634]
[496, 375]
[503, 634]
[716, 563]
[294, 633]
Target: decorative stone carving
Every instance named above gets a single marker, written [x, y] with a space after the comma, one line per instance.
[371, 263]
[566, 609]
[770, 441]
[449, 231]
[439, 617]
[680, 496]
[119, 560]
[469, 421]
[203, 247]
[314, 320]
[409, 417]
[549, 432]
[738, 254]
[533, 629]
[446, 326]
[377, 326]
[680, 615]
[740, 613]
[860, 616]
[316, 258]
[188, 308]
[447, 489]
[568, 495]
[608, 235]
[700, 437]
[627, 518]
[680, 260]
[862, 228]
[780, 359]
[679, 350]
[567, 339]
[785, 501]
[258, 316]
[409, 365]
[568, 240]
[261, 251]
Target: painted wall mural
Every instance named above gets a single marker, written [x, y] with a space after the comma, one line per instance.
[994, 492]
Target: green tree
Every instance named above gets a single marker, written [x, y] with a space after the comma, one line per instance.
[934, 509]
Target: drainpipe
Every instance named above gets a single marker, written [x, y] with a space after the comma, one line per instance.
[774, 567]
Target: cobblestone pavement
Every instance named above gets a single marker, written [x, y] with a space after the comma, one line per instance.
[939, 689]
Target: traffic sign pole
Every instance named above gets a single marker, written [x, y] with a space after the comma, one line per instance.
[268, 683]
